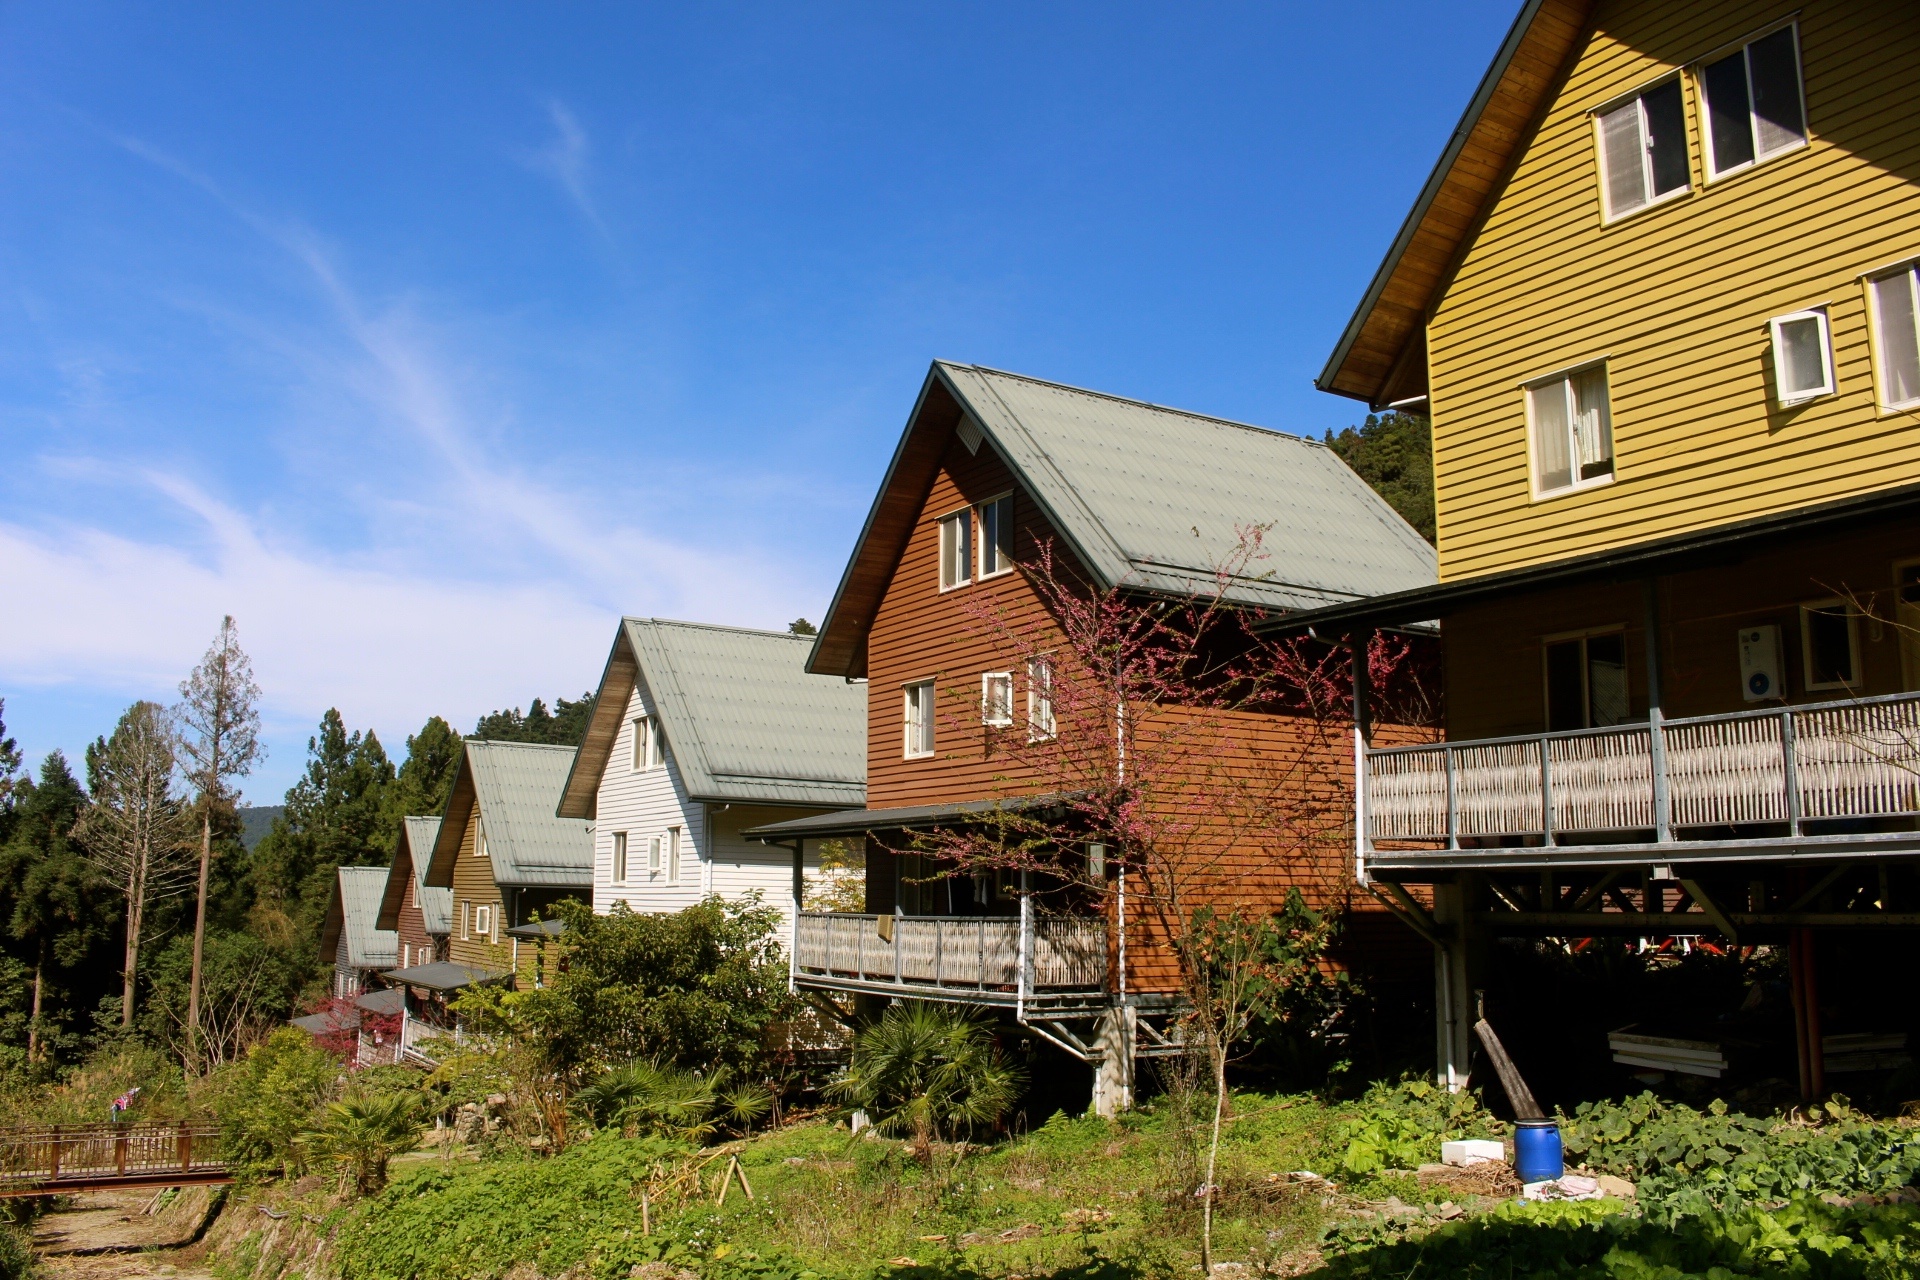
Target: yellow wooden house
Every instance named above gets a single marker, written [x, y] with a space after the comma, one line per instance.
[505, 856]
[1658, 298]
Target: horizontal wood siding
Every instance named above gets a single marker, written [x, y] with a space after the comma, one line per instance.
[714, 858]
[415, 941]
[954, 637]
[473, 886]
[1494, 662]
[923, 633]
[1677, 298]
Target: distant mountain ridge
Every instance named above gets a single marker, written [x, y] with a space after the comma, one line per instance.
[255, 821]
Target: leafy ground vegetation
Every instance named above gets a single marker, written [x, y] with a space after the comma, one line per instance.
[1827, 1193]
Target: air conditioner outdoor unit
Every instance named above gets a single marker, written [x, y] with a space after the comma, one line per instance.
[1760, 664]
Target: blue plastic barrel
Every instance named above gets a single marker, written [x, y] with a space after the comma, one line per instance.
[1537, 1156]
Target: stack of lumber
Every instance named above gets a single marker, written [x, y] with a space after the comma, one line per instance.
[1635, 1048]
[1865, 1051]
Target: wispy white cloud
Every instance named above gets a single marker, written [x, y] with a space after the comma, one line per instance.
[466, 579]
[565, 159]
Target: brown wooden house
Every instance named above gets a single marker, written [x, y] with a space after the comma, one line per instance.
[503, 855]
[992, 472]
[421, 914]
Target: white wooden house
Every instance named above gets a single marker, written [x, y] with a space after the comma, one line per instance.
[698, 733]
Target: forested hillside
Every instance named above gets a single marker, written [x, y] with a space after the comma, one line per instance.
[64, 913]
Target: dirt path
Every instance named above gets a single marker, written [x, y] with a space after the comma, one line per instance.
[139, 1220]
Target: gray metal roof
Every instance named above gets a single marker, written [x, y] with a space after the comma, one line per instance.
[1144, 497]
[443, 975]
[743, 720]
[1159, 496]
[436, 904]
[517, 784]
[357, 893]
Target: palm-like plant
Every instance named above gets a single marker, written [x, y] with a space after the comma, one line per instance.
[930, 1071]
[645, 1097]
[362, 1132]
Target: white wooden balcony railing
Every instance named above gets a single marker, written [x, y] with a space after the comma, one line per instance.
[954, 956]
[1672, 783]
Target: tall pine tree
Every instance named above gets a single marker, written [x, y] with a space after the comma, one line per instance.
[338, 814]
[59, 916]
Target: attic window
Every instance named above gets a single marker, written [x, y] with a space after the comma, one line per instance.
[956, 549]
[996, 536]
[1754, 110]
[1643, 149]
[649, 751]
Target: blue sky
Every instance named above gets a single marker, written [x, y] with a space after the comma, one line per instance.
[427, 339]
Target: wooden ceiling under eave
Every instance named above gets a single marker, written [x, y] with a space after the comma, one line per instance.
[1382, 355]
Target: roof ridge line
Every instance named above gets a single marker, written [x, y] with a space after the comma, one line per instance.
[1144, 404]
[714, 626]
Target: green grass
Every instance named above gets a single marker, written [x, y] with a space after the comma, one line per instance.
[1074, 1194]
[1077, 1199]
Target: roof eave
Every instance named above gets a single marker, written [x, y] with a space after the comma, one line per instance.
[826, 659]
[1331, 378]
[579, 792]
[1641, 559]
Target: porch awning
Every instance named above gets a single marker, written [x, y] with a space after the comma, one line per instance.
[328, 1022]
[537, 930]
[386, 1002]
[857, 822]
[1721, 544]
[443, 975]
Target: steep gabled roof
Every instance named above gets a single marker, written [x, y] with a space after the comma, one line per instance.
[743, 720]
[354, 910]
[1381, 357]
[412, 858]
[515, 784]
[1145, 496]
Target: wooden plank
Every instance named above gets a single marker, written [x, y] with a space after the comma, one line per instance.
[1524, 1106]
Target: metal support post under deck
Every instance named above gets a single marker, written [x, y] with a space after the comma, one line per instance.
[1656, 736]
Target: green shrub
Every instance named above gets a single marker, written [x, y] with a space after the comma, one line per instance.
[1688, 1161]
[1401, 1125]
[16, 1255]
[1600, 1240]
[929, 1071]
[268, 1098]
[363, 1131]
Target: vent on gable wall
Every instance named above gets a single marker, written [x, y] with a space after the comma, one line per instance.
[970, 435]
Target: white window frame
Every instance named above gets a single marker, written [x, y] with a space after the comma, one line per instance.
[961, 561]
[996, 714]
[1004, 501]
[1827, 386]
[1041, 726]
[1706, 106]
[655, 861]
[1911, 270]
[1807, 609]
[483, 920]
[1565, 377]
[1608, 214]
[911, 742]
[479, 836]
[619, 857]
[649, 744]
[673, 855]
[466, 913]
